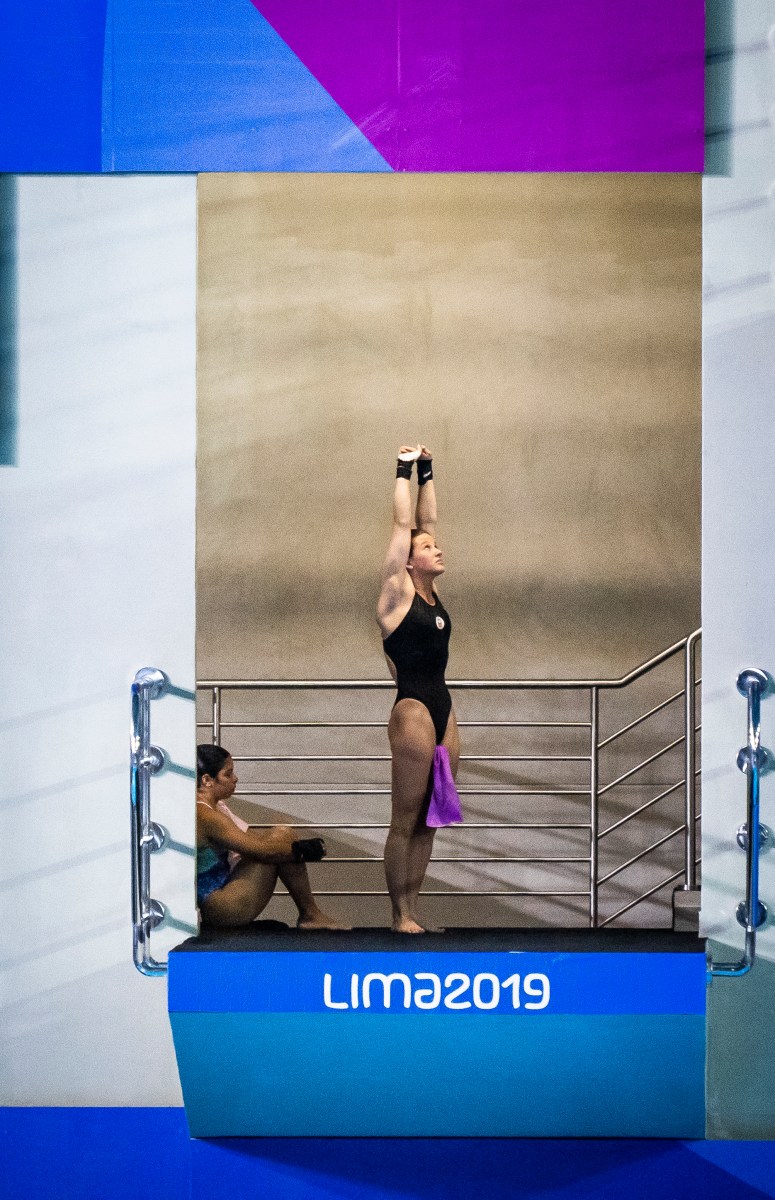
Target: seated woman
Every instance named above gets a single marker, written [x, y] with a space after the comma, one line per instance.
[237, 867]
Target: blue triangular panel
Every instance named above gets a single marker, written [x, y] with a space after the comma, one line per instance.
[752, 1162]
[207, 85]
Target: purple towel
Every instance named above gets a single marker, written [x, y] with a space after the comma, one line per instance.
[444, 808]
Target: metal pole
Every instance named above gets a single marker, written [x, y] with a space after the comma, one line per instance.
[216, 716]
[145, 760]
[594, 707]
[690, 790]
[751, 913]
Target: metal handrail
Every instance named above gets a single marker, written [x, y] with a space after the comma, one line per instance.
[594, 806]
[690, 708]
[381, 724]
[636, 812]
[469, 825]
[594, 791]
[339, 858]
[645, 896]
[642, 854]
[464, 684]
[386, 757]
[644, 717]
[450, 893]
[752, 760]
[688, 645]
[646, 763]
[377, 791]
[145, 760]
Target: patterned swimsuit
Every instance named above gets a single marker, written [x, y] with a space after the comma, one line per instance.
[212, 869]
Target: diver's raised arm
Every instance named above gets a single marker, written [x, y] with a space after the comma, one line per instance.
[395, 582]
[425, 516]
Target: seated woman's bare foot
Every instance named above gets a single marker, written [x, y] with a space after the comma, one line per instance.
[406, 925]
[317, 919]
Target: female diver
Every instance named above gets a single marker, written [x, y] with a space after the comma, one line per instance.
[415, 632]
[237, 867]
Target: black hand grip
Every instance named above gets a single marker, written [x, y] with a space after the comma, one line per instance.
[308, 849]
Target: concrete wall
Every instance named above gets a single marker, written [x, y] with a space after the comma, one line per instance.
[541, 333]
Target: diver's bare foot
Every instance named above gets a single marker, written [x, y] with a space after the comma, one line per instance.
[406, 925]
[424, 926]
[319, 920]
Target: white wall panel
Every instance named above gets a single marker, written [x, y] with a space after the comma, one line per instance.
[97, 554]
[738, 545]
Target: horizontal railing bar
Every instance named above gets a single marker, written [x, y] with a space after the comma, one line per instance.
[464, 684]
[642, 854]
[356, 791]
[384, 685]
[383, 724]
[386, 758]
[643, 807]
[468, 825]
[493, 860]
[295, 724]
[323, 892]
[645, 896]
[646, 762]
[639, 720]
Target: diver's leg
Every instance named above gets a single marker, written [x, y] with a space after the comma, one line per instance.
[421, 843]
[419, 855]
[412, 744]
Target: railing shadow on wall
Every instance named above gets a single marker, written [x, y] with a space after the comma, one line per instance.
[608, 810]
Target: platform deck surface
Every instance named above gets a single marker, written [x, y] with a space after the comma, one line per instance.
[269, 936]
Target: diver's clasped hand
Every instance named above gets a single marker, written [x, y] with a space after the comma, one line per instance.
[407, 456]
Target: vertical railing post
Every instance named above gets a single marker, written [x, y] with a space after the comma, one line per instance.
[690, 789]
[594, 739]
[752, 760]
[216, 716]
[145, 836]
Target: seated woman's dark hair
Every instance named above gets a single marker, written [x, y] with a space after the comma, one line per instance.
[210, 760]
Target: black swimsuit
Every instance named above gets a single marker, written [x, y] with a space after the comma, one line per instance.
[419, 648]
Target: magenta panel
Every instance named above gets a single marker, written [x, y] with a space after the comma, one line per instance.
[510, 85]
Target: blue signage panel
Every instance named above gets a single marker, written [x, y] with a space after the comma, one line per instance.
[429, 1043]
[441, 1075]
[519, 984]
